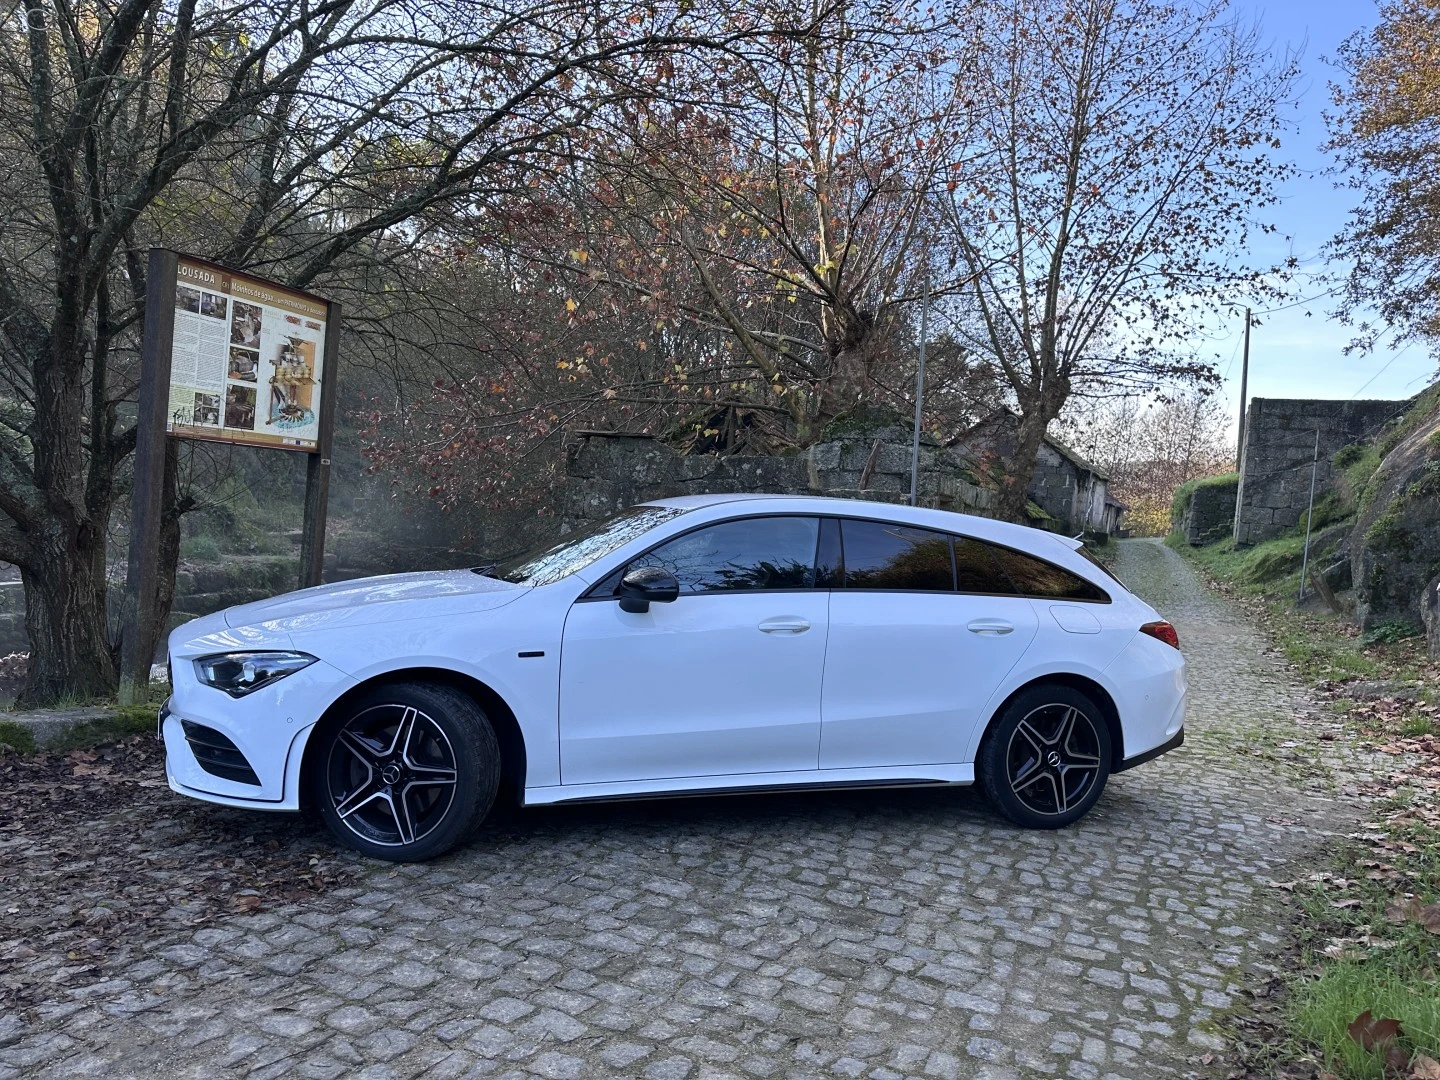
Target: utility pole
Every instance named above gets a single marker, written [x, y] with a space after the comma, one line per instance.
[920, 389]
[1244, 383]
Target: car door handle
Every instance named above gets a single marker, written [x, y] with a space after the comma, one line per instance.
[785, 624]
[991, 626]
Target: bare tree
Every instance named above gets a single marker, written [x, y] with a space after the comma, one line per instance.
[737, 258]
[1125, 149]
[1150, 446]
[793, 219]
[1382, 134]
[306, 141]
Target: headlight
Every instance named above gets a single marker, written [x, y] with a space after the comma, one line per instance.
[241, 673]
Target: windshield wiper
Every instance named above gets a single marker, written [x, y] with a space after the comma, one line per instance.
[485, 569]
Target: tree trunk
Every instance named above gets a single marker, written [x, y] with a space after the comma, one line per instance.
[70, 654]
[1020, 469]
[848, 386]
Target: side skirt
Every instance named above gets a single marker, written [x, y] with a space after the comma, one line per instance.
[754, 784]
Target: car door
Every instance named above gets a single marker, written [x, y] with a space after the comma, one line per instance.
[912, 661]
[723, 680]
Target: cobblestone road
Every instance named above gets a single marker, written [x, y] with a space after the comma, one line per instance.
[863, 934]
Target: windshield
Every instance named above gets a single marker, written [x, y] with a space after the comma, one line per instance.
[581, 548]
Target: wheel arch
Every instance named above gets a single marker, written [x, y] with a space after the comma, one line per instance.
[497, 710]
[1086, 686]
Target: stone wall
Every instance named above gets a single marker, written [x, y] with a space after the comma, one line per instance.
[1279, 447]
[606, 472]
[1210, 515]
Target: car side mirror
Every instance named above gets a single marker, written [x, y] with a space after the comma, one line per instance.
[646, 585]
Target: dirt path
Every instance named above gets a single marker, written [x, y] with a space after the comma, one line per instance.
[879, 934]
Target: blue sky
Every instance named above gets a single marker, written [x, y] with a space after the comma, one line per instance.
[1292, 354]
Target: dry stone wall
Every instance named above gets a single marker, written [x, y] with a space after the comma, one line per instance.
[606, 472]
[1279, 447]
[1210, 516]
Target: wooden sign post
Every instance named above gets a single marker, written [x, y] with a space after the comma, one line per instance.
[230, 358]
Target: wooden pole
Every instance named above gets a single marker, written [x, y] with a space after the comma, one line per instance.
[1244, 387]
[138, 610]
[317, 469]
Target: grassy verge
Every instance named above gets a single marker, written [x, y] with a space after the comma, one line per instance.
[1367, 929]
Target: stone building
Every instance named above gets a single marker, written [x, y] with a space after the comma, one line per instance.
[1074, 493]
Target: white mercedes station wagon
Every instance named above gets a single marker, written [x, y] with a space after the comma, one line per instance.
[717, 644]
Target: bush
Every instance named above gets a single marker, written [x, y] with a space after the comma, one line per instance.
[201, 549]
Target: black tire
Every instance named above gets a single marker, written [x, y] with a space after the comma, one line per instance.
[406, 794]
[1044, 760]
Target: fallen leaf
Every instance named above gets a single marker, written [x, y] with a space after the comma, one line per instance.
[1429, 917]
[1424, 1068]
[1370, 1031]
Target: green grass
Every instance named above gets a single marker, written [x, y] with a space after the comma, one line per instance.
[1392, 971]
[1323, 657]
[1267, 569]
[1417, 725]
[1327, 1006]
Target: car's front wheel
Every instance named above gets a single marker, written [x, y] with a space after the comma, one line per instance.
[407, 772]
[1045, 759]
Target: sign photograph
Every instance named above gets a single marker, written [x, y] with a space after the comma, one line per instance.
[245, 360]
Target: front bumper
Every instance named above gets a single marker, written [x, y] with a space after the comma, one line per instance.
[244, 751]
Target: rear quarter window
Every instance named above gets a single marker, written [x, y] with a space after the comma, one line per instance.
[1036, 577]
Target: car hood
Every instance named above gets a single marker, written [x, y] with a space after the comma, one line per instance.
[377, 599]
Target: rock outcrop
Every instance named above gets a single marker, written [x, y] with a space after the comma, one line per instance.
[1430, 614]
[1395, 547]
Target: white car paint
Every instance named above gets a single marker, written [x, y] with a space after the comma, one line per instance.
[715, 691]
[744, 668]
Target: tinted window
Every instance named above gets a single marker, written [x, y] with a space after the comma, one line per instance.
[884, 556]
[754, 553]
[580, 549]
[977, 570]
[1036, 577]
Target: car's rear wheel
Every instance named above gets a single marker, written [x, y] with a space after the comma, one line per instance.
[407, 772]
[1045, 759]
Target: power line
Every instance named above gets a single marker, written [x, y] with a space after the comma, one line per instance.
[1301, 302]
[1377, 374]
[1231, 362]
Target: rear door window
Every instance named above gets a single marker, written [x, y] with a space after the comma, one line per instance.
[881, 555]
[977, 570]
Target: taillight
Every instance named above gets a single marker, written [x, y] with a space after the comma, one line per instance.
[1162, 631]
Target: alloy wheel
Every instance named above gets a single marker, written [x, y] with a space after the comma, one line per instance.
[391, 775]
[1053, 759]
